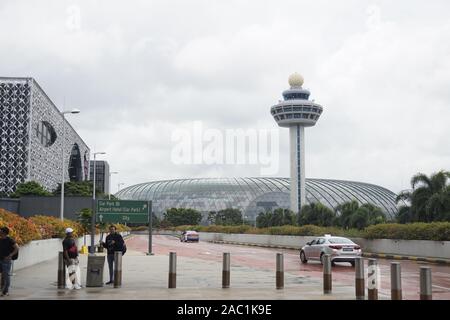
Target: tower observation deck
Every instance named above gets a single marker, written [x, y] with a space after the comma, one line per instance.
[296, 112]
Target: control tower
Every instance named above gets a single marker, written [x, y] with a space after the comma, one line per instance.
[296, 112]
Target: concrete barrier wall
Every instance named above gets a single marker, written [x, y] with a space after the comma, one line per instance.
[419, 248]
[43, 250]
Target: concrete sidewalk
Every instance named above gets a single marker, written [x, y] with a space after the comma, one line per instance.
[146, 277]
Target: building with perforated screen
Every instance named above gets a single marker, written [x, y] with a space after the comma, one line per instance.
[253, 195]
[31, 135]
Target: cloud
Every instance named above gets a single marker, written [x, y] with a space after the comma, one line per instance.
[380, 69]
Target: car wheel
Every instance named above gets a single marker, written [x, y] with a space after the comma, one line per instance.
[333, 263]
[303, 257]
[321, 258]
[352, 263]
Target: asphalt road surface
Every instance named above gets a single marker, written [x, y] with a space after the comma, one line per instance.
[264, 258]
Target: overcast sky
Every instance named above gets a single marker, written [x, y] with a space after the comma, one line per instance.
[138, 70]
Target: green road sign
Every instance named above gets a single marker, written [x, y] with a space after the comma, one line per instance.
[122, 211]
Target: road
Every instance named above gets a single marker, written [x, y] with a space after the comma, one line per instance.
[264, 259]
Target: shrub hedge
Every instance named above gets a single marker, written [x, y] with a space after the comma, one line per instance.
[52, 227]
[41, 227]
[438, 231]
[20, 229]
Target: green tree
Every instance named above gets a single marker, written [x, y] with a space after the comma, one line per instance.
[228, 217]
[79, 189]
[404, 214]
[182, 216]
[31, 188]
[264, 219]
[352, 215]
[318, 214]
[211, 217]
[279, 217]
[84, 218]
[429, 199]
[345, 211]
[366, 215]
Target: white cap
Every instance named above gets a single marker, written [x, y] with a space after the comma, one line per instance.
[69, 230]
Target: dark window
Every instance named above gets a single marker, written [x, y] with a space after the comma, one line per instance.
[45, 133]
[296, 95]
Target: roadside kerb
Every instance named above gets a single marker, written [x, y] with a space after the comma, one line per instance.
[365, 254]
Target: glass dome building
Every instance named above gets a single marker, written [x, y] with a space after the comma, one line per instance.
[253, 195]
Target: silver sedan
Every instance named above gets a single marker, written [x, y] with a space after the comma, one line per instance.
[341, 250]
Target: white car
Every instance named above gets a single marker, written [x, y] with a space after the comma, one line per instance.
[189, 235]
[341, 250]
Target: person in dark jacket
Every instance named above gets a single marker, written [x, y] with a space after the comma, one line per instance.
[8, 248]
[113, 242]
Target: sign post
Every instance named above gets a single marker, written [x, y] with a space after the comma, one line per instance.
[127, 211]
[150, 228]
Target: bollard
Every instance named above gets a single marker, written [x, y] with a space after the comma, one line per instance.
[173, 270]
[61, 271]
[396, 281]
[372, 292]
[226, 270]
[425, 283]
[280, 271]
[359, 279]
[327, 273]
[117, 269]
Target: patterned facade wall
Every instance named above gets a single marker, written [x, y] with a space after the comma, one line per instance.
[14, 124]
[46, 162]
[22, 155]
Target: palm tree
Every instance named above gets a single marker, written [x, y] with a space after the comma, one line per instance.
[366, 215]
[317, 214]
[429, 199]
[346, 210]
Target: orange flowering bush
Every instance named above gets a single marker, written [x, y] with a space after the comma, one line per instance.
[52, 227]
[37, 227]
[122, 227]
[21, 230]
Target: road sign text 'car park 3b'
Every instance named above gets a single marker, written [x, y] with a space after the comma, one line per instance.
[123, 211]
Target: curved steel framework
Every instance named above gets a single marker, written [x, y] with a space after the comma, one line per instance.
[253, 195]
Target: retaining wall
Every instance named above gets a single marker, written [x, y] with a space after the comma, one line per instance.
[420, 248]
[43, 250]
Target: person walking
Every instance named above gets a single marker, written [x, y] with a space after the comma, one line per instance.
[70, 253]
[113, 242]
[8, 250]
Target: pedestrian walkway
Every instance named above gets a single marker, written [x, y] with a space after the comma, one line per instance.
[146, 277]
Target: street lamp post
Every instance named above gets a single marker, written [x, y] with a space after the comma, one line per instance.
[109, 185]
[74, 111]
[92, 251]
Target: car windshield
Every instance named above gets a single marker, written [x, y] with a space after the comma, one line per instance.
[340, 240]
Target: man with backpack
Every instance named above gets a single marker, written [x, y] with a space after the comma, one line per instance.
[70, 253]
[113, 242]
[9, 251]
